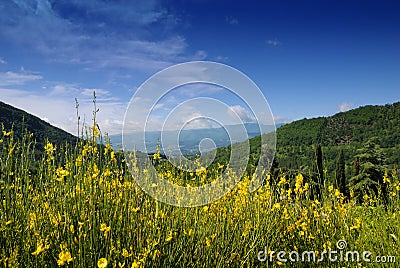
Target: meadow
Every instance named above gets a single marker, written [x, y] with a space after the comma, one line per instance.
[78, 206]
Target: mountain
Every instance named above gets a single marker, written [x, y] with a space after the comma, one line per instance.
[347, 131]
[190, 139]
[18, 120]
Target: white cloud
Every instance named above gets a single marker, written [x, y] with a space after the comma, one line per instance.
[281, 120]
[2, 61]
[273, 42]
[64, 89]
[345, 106]
[59, 109]
[13, 79]
[244, 115]
[78, 38]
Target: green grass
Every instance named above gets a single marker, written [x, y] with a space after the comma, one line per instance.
[79, 207]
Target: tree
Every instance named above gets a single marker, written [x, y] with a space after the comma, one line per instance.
[371, 170]
[356, 168]
[318, 175]
[340, 173]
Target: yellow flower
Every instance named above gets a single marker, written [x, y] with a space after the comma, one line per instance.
[299, 182]
[95, 131]
[136, 264]
[385, 178]
[276, 206]
[64, 256]
[205, 208]
[102, 263]
[5, 134]
[357, 226]
[156, 156]
[169, 237]
[135, 209]
[40, 249]
[156, 253]
[306, 187]
[96, 171]
[208, 241]
[189, 233]
[49, 148]
[125, 253]
[112, 155]
[337, 193]
[282, 181]
[289, 194]
[330, 188]
[104, 228]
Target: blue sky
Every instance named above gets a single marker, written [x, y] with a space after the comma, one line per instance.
[309, 58]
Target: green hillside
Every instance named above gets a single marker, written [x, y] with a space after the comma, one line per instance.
[348, 131]
[18, 120]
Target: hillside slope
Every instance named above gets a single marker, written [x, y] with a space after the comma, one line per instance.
[11, 117]
[347, 131]
[353, 126]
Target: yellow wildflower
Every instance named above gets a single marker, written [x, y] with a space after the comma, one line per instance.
[64, 256]
[156, 253]
[189, 233]
[5, 134]
[136, 264]
[95, 131]
[282, 181]
[40, 248]
[102, 263]
[276, 206]
[125, 253]
[49, 148]
[357, 226]
[104, 228]
[337, 193]
[169, 237]
[208, 241]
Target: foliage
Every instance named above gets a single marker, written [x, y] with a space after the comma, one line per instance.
[82, 209]
[340, 174]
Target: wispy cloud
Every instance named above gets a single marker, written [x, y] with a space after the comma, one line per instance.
[244, 115]
[2, 61]
[13, 79]
[98, 34]
[274, 42]
[345, 106]
[57, 106]
[281, 120]
[231, 20]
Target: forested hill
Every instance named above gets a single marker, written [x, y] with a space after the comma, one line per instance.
[347, 131]
[354, 126]
[18, 120]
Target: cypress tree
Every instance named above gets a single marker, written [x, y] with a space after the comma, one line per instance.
[340, 174]
[318, 176]
[356, 170]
